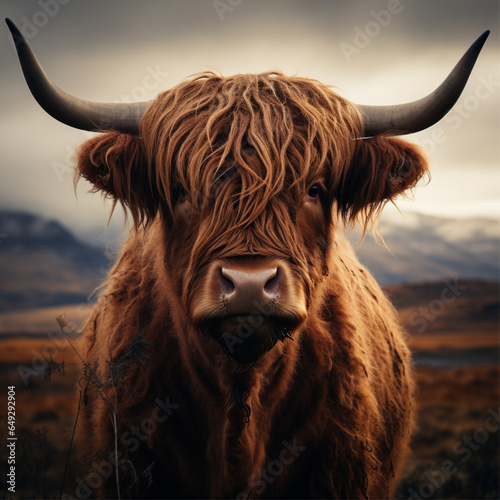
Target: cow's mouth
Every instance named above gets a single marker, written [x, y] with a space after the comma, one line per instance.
[246, 337]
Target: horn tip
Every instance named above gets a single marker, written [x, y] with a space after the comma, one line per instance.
[10, 24]
[478, 44]
[16, 34]
[472, 54]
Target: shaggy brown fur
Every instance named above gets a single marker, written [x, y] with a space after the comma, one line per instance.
[221, 170]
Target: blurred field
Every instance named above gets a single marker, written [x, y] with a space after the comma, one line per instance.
[457, 403]
[40, 321]
[454, 407]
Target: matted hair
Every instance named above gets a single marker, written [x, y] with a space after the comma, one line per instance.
[295, 126]
[281, 131]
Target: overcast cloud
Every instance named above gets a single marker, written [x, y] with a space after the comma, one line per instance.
[131, 50]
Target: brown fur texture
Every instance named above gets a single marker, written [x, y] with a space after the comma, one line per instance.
[222, 170]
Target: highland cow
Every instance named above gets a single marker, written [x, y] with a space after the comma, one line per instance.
[244, 350]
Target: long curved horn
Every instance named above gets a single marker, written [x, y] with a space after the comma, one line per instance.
[418, 115]
[68, 109]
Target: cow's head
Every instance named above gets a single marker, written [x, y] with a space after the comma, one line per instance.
[248, 176]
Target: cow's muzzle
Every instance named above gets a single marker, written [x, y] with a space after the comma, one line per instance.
[247, 305]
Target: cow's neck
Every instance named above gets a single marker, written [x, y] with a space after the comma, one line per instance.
[240, 402]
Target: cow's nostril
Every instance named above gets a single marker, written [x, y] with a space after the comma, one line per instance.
[226, 286]
[273, 284]
[242, 289]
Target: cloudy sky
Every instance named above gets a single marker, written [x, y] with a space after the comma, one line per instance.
[376, 52]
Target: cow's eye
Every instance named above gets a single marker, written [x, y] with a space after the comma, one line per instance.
[313, 191]
[180, 193]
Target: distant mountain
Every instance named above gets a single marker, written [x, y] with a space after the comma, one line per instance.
[43, 264]
[425, 248]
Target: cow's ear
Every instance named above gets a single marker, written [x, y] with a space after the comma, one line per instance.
[116, 165]
[381, 169]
